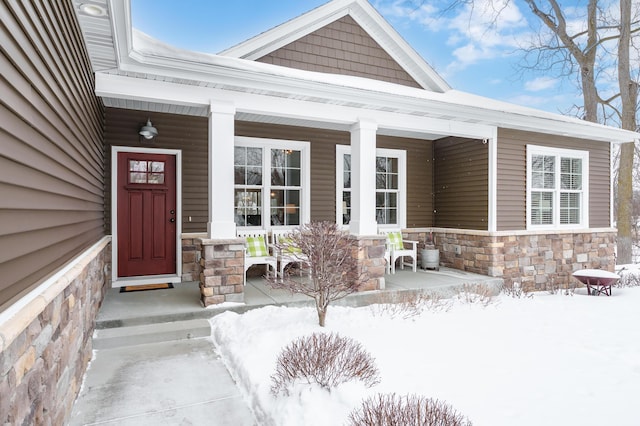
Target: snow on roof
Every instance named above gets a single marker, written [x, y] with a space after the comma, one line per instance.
[206, 66]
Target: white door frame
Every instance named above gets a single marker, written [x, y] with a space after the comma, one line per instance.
[149, 279]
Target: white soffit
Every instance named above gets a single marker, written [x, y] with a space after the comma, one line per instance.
[366, 16]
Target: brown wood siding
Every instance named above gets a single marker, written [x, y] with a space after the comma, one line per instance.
[512, 172]
[323, 160]
[341, 47]
[323, 169]
[420, 195]
[51, 157]
[461, 182]
[187, 133]
[190, 135]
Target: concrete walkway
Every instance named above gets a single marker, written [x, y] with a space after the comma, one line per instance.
[180, 382]
[155, 364]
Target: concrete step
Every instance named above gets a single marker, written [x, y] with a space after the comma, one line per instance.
[110, 338]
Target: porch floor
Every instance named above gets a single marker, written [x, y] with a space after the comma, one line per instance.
[182, 302]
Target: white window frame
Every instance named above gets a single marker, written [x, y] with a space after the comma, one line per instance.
[559, 153]
[399, 154]
[305, 176]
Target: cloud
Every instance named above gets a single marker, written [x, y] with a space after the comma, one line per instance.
[476, 31]
[540, 83]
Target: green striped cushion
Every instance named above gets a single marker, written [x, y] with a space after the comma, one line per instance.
[395, 240]
[289, 245]
[256, 246]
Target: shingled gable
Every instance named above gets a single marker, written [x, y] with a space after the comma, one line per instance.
[346, 37]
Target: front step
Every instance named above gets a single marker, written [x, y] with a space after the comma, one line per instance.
[110, 338]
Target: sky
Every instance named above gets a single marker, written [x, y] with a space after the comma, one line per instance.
[461, 45]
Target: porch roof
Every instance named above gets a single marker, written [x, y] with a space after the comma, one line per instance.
[136, 71]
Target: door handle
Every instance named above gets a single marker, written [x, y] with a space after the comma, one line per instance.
[173, 219]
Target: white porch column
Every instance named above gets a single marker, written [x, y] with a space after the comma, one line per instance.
[363, 178]
[221, 223]
[492, 226]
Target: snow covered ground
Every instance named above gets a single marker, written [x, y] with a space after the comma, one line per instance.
[545, 360]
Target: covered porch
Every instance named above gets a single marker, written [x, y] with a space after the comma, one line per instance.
[181, 303]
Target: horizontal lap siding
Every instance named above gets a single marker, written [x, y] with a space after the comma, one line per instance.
[323, 160]
[189, 134]
[323, 170]
[51, 156]
[186, 133]
[419, 178]
[512, 169]
[461, 183]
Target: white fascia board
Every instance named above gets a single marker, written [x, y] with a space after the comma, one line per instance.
[221, 70]
[287, 32]
[366, 16]
[122, 87]
[393, 43]
[268, 78]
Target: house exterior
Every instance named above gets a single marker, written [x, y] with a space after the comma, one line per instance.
[291, 126]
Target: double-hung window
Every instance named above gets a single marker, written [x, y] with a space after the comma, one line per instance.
[271, 182]
[390, 182]
[557, 188]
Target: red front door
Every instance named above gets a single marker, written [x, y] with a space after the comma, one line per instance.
[146, 214]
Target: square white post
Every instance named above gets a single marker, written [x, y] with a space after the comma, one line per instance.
[363, 178]
[221, 222]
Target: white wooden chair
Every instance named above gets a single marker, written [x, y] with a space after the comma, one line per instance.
[399, 248]
[256, 250]
[284, 256]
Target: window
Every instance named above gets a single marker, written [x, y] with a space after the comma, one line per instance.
[271, 182]
[390, 184]
[557, 195]
[147, 172]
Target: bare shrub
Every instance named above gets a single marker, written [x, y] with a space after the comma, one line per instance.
[628, 278]
[394, 410]
[325, 359]
[516, 291]
[475, 293]
[561, 286]
[331, 262]
[407, 305]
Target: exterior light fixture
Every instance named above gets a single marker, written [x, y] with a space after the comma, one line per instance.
[92, 9]
[148, 131]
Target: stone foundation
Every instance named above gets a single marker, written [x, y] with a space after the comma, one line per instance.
[45, 346]
[535, 259]
[191, 253]
[222, 271]
[371, 261]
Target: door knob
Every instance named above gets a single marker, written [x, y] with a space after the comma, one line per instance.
[173, 219]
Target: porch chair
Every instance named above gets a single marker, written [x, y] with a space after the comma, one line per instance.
[397, 248]
[256, 250]
[286, 255]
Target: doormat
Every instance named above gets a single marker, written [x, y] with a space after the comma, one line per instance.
[132, 288]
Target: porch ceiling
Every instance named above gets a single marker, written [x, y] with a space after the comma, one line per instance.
[203, 111]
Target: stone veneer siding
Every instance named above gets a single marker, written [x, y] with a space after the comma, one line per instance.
[46, 345]
[222, 271]
[535, 259]
[371, 261]
[191, 254]
[222, 267]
